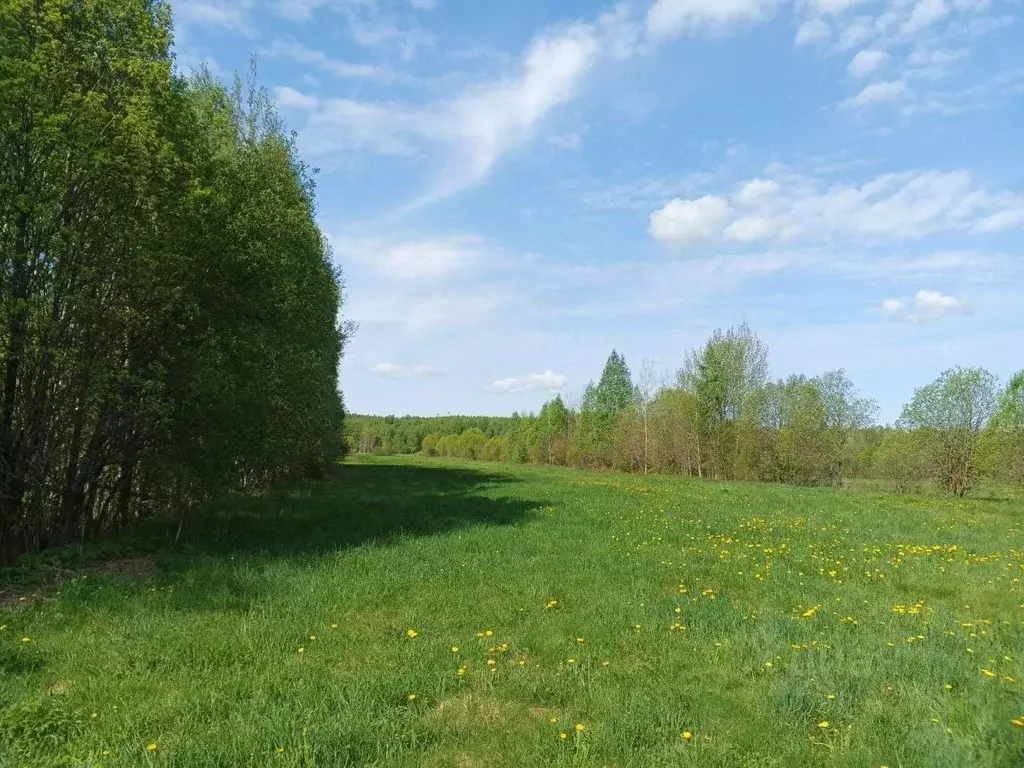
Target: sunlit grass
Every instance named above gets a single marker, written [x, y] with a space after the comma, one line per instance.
[428, 613]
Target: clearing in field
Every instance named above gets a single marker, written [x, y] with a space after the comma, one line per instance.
[428, 613]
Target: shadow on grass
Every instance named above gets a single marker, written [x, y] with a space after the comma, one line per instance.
[357, 504]
[218, 560]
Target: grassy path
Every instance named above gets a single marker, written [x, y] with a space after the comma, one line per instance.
[427, 613]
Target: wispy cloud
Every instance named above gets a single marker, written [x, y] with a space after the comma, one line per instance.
[393, 371]
[536, 382]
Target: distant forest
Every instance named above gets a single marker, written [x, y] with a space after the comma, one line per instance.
[724, 417]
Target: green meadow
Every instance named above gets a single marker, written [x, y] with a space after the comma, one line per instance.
[413, 612]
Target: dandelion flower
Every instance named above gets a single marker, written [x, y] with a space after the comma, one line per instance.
[455, 649]
[279, 750]
[552, 720]
[411, 633]
[580, 728]
[823, 724]
[686, 736]
[151, 747]
[302, 650]
[26, 639]
[563, 735]
[412, 697]
[1018, 721]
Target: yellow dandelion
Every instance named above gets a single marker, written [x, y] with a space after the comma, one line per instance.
[552, 720]
[279, 750]
[580, 728]
[455, 649]
[948, 687]
[823, 724]
[302, 650]
[334, 626]
[411, 633]
[411, 697]
[26, 639]
[488, 633]
[461, 672]
[312, 637]
[988, 673]
[563, 735]
[686, 736]
[151, 747]
[1018, 721]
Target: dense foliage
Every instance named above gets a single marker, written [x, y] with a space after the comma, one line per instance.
[168, 308]
[723, 417]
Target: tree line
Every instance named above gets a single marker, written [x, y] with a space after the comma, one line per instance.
[169, 313]
[724, 417]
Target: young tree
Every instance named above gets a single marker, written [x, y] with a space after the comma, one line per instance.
[552, 425]
[722, 375]
[950, 414]
[602, 403]
[1003, 440]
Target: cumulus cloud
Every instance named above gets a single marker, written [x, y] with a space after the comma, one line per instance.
[682, 223]
[889, 207]
[926, 306]
[537, 382]
[866, 62]
[393, 371]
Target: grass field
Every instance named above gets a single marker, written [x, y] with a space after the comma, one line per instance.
[425, 613]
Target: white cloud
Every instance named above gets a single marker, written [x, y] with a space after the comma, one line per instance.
[298, 10]
[423, 5]
[476, 128]
[751, 229]
[289, 98]
[537, 382]
[229, 14]
[889, 207]
[927, 306]
[857, 32]
[425, 259]
[671, 18]
[866, 62]
[682, 223]
[812, 32]
[756, 191]
[1011, 217]
[834, 7]
[893, 307]
[393, 371]
[292, 49]
[926, 13]
[877, 93]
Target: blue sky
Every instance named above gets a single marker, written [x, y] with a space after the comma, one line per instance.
[512, 189]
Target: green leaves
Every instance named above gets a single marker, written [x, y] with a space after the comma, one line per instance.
[169, 308]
